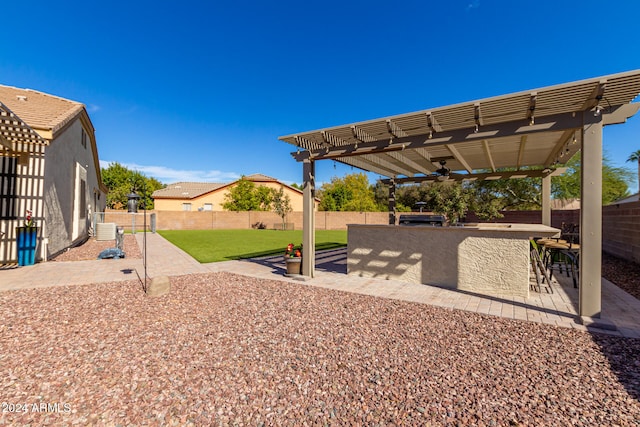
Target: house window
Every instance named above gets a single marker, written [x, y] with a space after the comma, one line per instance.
[84, 138]
[8, 190]
[186, 206]
[208, 207]
[83, 198]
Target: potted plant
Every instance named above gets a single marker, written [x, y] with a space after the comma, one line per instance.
[293, 259]
[27, 240]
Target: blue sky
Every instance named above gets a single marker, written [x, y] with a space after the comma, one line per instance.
[201, 90]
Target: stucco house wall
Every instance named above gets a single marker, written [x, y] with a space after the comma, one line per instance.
[67, 163]
[56, 175]
[215, 198]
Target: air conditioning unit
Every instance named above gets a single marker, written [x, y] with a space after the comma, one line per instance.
[106, 231]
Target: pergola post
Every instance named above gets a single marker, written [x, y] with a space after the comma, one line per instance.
[590, 300]
[392, 202]
[546, 200]
[308, 222]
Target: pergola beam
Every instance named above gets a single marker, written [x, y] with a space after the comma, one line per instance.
[377, 160]
[523, 144]
[534, 173]
[477, 116]
[423, 153]
[395, 130]
[361, 135]
[487, 153]
[454, 151]
[596, 96]
[555, 155]
[532, 108]
[558, 122]
[404, 159]
[365, 165]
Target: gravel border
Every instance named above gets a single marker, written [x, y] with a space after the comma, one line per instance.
[623, 273]
[90, 249]
[225, 349]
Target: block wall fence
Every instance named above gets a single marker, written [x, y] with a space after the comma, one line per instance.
[620, 223]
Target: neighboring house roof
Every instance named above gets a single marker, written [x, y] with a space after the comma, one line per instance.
[565, 204]
[192, 190]
[186, 190]
[260, 177]
[39, 110]
[628, 199]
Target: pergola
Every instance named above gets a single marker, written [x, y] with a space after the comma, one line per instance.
[532, 131]
[15, 134]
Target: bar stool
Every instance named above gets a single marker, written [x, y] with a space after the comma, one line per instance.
[561, 255]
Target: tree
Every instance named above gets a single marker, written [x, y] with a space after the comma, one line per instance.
[281, 204]
[121, 181]
[614, 181]
[351, 193]
[245, 196]
[264, 196]
[450, 199]
[241, 197]
[489, 197]
[635, 157]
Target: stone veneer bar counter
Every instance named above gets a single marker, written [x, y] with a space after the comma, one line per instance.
[488, 259]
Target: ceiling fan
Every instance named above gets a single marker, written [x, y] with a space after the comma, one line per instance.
[442, 174]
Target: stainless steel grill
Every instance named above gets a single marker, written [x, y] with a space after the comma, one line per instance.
[432, 220]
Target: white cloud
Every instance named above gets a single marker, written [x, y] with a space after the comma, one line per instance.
[168, 175]
[92, 108]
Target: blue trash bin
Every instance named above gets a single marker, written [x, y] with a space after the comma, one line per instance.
[27, 239]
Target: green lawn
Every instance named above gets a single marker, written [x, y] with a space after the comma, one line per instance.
[224, 245]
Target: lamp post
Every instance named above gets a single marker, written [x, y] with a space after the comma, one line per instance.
[132, 207]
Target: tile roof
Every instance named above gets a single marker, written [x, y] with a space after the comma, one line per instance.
[260, 177]
[186, 190]
[40, 110]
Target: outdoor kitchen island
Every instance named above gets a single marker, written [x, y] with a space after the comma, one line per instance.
[488, 259]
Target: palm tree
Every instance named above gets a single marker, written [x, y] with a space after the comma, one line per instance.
[635, 157]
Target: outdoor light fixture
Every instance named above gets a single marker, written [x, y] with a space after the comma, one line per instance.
[132, 207]
[132, 202]
[598, 111]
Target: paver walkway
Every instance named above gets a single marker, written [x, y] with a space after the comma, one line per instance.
[164, 259]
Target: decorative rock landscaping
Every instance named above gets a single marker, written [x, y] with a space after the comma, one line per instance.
[223, 349]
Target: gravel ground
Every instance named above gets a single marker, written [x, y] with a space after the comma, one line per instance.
[90, 249]
[224, 349]
[623, 273]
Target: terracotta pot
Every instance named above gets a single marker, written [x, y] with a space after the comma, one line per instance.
[293, 265]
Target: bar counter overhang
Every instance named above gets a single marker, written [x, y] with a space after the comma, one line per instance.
[487, 259]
